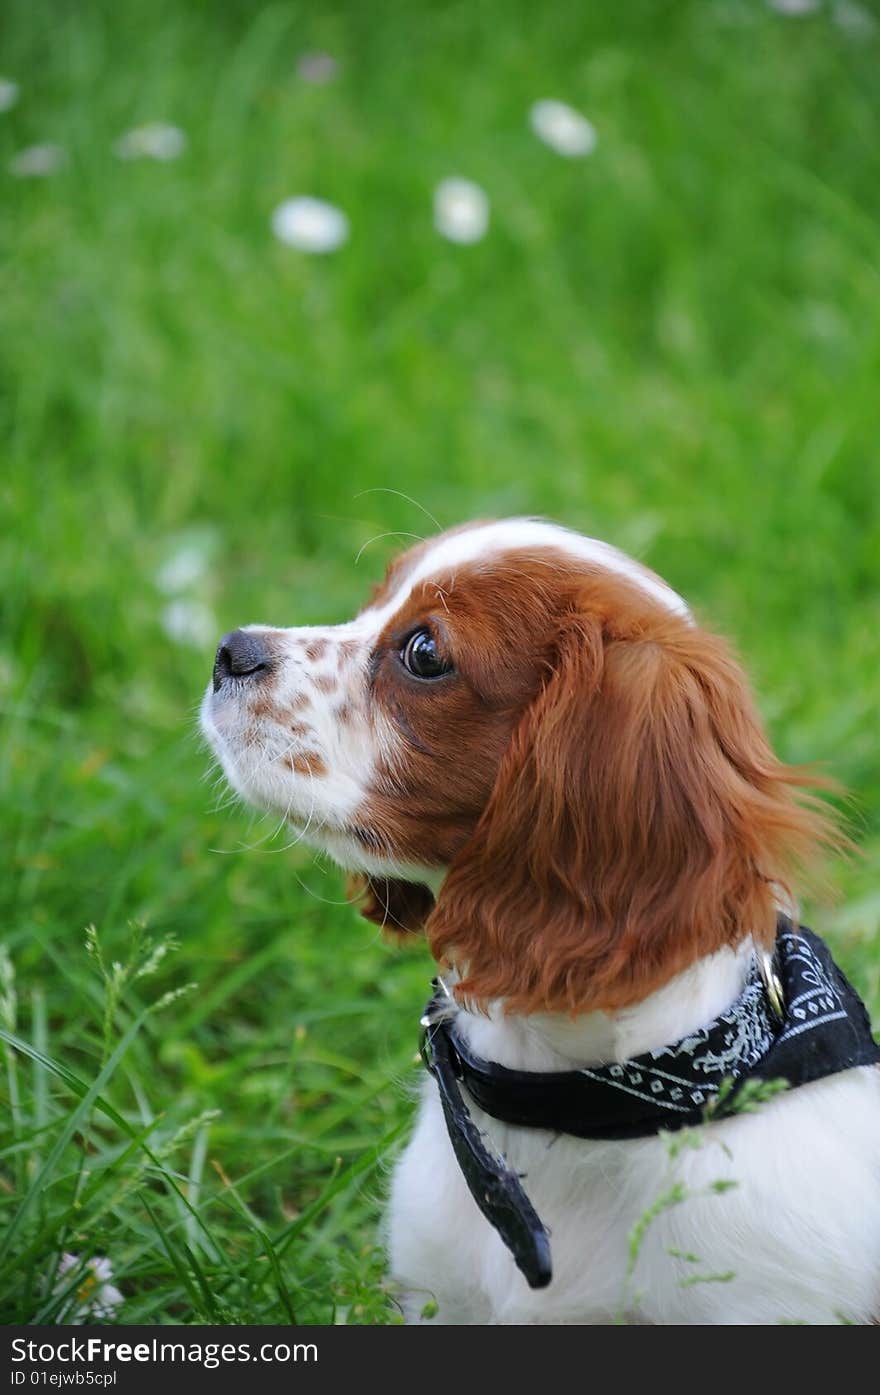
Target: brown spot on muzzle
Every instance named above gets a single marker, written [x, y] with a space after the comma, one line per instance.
[306, 763]
[263, 707]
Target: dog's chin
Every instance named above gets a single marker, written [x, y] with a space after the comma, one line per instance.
[355, 849]
[258, 782]
[353, 845]
[351, 850]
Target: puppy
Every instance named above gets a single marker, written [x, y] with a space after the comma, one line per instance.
[531, 752]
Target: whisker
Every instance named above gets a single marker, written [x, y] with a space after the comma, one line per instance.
[386, 489]
[393, 533]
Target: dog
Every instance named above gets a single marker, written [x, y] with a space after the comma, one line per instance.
[528, 750]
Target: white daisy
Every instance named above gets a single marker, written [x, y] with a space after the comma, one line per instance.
[562, 128]
[37, 161]
[794, 7]
[317, 68]
[187, 559]
[8, 93]
[95, 1298]
[189, 623]
[310, 224]
[461, 210]
[154, 141]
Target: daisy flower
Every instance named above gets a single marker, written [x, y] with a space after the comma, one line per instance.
[311, 225]
[562, 128]
[461, 210]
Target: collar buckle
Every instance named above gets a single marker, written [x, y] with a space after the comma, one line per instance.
[440, 1008]
[772, 984]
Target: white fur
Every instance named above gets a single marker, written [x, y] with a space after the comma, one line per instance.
[486, 540]
[255, 767]
[799, 1233]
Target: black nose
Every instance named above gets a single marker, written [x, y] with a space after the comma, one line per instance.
[241, 654]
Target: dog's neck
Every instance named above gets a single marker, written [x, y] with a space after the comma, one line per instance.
[556, 1041]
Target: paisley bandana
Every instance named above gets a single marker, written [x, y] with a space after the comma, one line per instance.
[800, 1023]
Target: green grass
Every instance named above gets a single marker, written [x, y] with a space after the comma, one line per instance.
[674, 344]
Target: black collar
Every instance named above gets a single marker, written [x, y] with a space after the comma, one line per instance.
[800, 1026]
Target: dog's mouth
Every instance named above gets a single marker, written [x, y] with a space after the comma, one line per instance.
[271, 774]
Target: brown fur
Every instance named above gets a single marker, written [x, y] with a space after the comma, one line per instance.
[399, 907]
[595, 777]
[306, 763]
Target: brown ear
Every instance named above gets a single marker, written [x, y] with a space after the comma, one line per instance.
[399, 907]
[639, 821]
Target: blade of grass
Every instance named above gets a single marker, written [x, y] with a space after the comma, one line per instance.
[337, 1184]
[74, 1121]
[80, 1088]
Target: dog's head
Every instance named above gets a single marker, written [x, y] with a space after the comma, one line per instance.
[533, 725]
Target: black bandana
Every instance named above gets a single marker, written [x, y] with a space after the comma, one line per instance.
[816, 1026]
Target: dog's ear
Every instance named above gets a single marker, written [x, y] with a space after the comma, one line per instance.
[639, 821]
[399, 907]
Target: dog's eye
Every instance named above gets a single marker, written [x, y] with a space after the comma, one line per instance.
[421, 658]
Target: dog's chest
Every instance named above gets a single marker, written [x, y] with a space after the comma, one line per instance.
[755, 1220]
